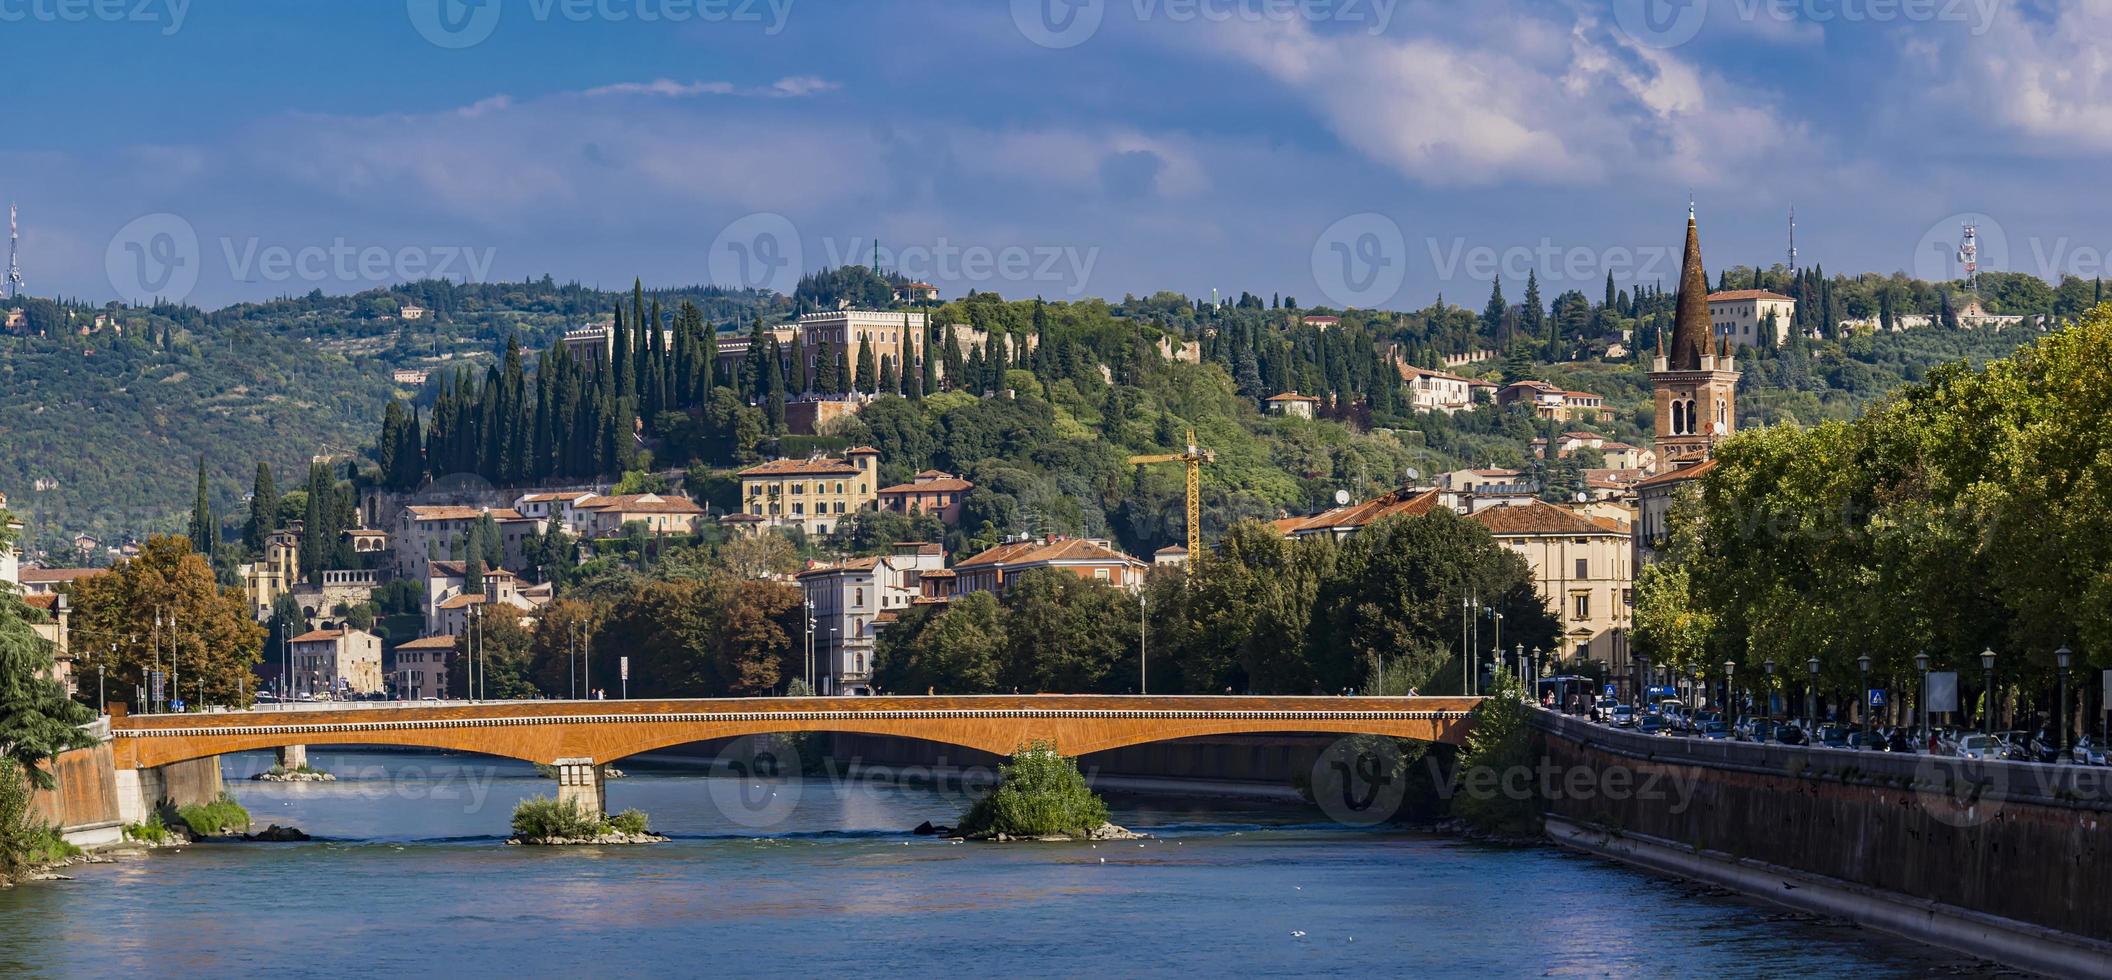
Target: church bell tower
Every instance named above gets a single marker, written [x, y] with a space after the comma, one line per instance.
[1696, 381]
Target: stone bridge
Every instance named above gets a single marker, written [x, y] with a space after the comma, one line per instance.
[579, 737]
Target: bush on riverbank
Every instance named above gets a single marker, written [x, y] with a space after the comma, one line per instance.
[25, 844]
[1039, 794]
[154, 831]
[1502, 741]
[542, 818]
[221, 816]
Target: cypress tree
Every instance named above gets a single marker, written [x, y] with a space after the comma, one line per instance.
[843, 371]
[827, 379]
[889, 383]
[868, 371]
[205, 532]
[800, 383]
[263, 510]
[927, 366]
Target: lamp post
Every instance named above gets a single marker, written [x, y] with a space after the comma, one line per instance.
[1811, 694]
[1495, 664]
[1862, 710]
[1770, 665]
[2062, 656]
[1921, 663]
[1143, 657]
[1518, 664]
[1730, 694]
[1987, 710]
[1536, 673]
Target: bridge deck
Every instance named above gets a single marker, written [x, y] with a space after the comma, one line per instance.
[605, 731]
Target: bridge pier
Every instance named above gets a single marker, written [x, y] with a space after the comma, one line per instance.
[293, 757]
[582, 783]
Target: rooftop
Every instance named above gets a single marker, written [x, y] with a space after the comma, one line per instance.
[1047, 550]
[1738, 294]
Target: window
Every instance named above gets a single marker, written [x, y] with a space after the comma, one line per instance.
[799, 510]
[860, 601]
[799, 489]
[1583, 568]
[1581, 603]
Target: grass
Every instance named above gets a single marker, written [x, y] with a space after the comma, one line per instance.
[542, 818]
[154, 831]
[302, 770]
[1039, 793]
[217, 817]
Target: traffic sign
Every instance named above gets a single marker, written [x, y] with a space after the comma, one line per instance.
[1877, 697]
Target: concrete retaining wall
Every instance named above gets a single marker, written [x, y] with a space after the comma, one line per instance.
[140, 791]
[84, 804]
[1279, 761]
[2013, 841]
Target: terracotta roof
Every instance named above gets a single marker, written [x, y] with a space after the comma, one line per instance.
[939, 573]
[319, 636]
[464, 601]
[1292, 396]
[460, 569]
[950, 484]
[428, 643]
[1172, 549]
[43, 575]
[1537, 517]
[742, 519]
[643, 503]
[1678, 475]
[1737, 294]
[861, 451]
[825, 466]
[1407, 502]
[854, 565]
[1047, 551]
[49, 601]
[934, 475]
[1410, 372]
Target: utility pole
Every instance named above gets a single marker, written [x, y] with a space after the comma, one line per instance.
[1143, 658]
[14, 248]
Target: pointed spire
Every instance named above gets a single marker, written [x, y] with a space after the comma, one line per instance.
[1690, 326]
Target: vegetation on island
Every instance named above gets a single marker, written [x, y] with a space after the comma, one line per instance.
[1039, 793]
[1965, 513]
[1501, 744]
[220, 816]
[541, 818]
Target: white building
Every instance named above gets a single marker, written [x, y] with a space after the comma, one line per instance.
[421, 668]
[426, 533]
[1741, 315]
[851, 601]
[339, 661]
[1438, 391]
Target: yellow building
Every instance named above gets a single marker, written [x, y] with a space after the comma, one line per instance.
[814, 494]
[274, 575]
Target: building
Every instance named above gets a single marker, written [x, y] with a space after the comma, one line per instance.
[1439, 391]
[426, 532]
[1696, 380]
[608, 517]
[554, 509]
[1088, 558]
[1171, 555]
[1550, 402]
[1321, 322]
[449, 600]
[412, 312]
[421, 668]
[409, 377]
[338, 661]
[929, 492]
[1583, 567]
[1292, 403]
[10, 555]
[598, 342]
[850, 602]
[815, 415]
[1622, 456]
[917, 292]
[898, 337]
[1697, 404]
[56, 630]
[1741, 316]
[814, 493]
[45, 581]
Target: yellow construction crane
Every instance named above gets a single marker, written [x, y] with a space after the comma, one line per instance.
[1195, 458]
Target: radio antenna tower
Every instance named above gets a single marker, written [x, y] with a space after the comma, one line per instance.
[14, 247]
[1969, 255]
[1792, 238]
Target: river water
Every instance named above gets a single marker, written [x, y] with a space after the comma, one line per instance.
[410, 875]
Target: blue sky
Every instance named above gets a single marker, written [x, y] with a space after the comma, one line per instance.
[288, 145]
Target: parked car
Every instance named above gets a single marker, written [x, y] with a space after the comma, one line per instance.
[1757, 730]
[1623, 716]
[2016, 746]
[2087, 752]
[1791, 733]
[1652, 725]
[1981, 747]
[1712, 730]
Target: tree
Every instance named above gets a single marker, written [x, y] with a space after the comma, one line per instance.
[503, 646]
[956, 649]
[213, 641]
[205, 531]
[712, 637]
[37, 720]
[755, 556]
[1070, 635]
[867, 376]
[263, 511]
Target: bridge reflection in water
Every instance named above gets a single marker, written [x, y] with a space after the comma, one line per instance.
[579, 737]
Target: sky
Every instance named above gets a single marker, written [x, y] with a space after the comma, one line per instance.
[1370, 153]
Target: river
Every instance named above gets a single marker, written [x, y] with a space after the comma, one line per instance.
[410, 875]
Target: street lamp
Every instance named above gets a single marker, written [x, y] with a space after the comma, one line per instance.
[1811, 694]
[1643, 681]
[1143, 657]
[1518, 664]
[2063, 656]
[1987, 712]
[1536, 673]
[1770, 665]
[1921, 663]
[1730, 694]
[1862, 710]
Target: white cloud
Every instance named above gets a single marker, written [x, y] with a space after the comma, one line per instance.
[2037, 70]
[792, 87]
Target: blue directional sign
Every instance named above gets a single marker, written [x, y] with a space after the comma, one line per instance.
[1877, 697]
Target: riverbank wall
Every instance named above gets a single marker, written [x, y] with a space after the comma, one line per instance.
[91, 800]
[1240, 766]
[1999, 860]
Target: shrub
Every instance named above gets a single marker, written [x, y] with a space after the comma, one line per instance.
[1502, 740]
[1039, 793]
[543, 817]
[154, 831]
[217, 817]
[629, 822]
[25, 844]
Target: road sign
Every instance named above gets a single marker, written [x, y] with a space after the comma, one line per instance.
[623, 668]
[1877, 697]
[1943, 691]
[1609, 690]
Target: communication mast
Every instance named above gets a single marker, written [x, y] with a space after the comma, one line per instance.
[1969, 255]
[1792, 239]
[14, 247]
